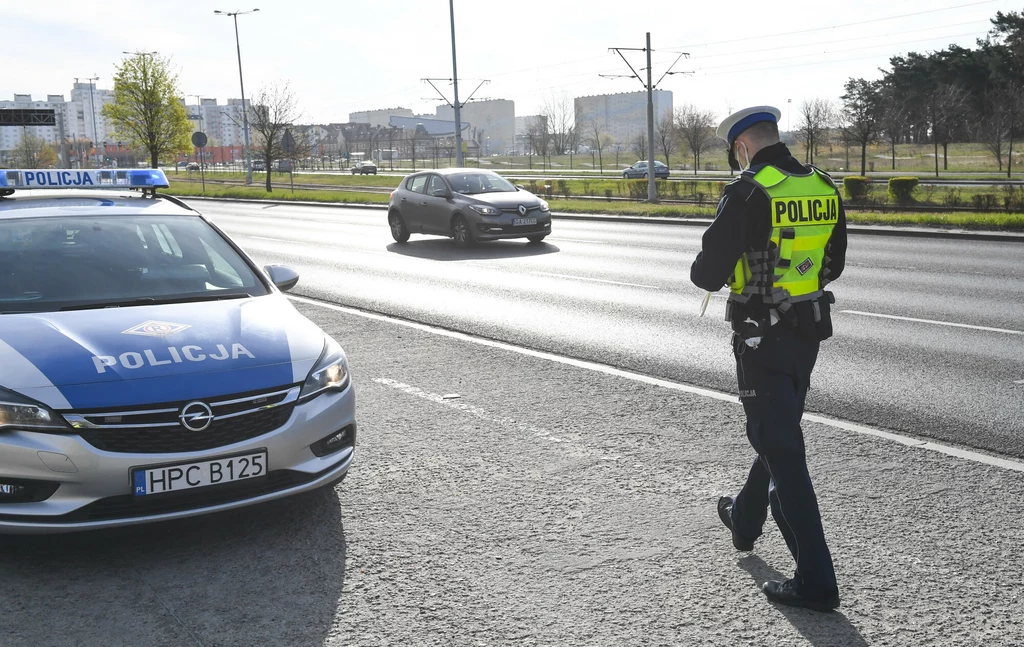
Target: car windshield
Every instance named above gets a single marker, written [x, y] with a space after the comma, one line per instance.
[470, 183]
[60, 263]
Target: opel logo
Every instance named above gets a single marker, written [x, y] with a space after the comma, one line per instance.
[522, 210]
[196, 416]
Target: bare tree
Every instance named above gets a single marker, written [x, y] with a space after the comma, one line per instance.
[666, 136]
[947, 107]
[538, 134]
[861, 114]
[639, 146]
[696, 129]
[560, 114]
[33, 151]
[893, 122]
[817, 117]
[994, 126]
[597, 139]
[273, 110]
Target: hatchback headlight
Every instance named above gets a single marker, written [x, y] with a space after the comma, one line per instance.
[330, 373]
[544, 206]
[485, 210]
[19, 412]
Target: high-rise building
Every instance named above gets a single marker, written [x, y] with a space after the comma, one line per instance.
[10, 136]
[222, 124]
[88, 103]
[493, 123]
[622, 115]
[378, 118]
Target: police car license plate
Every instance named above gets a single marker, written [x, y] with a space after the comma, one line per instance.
[518, 222]
[186, 476]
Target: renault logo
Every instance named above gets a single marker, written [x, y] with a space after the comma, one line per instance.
[196, 416]
[522, 210]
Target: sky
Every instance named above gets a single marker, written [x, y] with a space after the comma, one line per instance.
[342, 56]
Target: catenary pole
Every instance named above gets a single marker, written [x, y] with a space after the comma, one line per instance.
[455, 82]
[652, 190]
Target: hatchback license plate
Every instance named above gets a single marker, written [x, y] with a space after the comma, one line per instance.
[185, 476]
[518, 222]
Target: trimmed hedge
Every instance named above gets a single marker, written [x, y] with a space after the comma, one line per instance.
[902, 189]
[856, 187]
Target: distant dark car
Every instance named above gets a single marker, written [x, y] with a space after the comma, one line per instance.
[259, 165]
[467, 205]
[639, 170]
[364, 168]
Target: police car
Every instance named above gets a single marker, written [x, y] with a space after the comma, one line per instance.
[149, 370]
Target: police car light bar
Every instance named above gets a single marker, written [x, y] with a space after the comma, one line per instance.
[80, 179]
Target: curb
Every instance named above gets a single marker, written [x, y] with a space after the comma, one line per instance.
[873, 230]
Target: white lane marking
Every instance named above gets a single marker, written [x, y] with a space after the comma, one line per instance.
[932, 321]
[966, 454]
[584, 278]
[576, 240]
[466, 408]
[276, 240]
[1019, 382]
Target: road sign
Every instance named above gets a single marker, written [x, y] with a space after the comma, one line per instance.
[288, 142]
[199, 139]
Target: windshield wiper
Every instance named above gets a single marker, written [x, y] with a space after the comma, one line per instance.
[149, 301]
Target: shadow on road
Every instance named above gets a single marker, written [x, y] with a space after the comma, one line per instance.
[444, 249]
[266, 575]
[820, 629]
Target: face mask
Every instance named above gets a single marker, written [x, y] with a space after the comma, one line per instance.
[734, 162]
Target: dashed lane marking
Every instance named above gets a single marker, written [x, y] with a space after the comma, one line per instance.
[472, 410]
[584, 278]
[866, 430]
[933, 321]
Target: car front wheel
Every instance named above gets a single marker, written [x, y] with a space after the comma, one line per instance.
[398, 230]
[461, 232]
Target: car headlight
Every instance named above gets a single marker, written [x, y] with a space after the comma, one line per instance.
[330, 373]
[485, 210]
[19, 412]
[544, 206]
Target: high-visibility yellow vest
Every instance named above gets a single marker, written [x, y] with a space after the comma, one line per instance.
[790, 268]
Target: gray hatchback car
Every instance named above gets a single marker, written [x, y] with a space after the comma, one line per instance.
[467, 205]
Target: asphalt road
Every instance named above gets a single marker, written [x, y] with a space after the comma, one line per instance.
[502, 499]
[620, 294]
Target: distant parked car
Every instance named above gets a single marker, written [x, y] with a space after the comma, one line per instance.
[259, 165]
[364, 168]
[192, 166]
[639, 170]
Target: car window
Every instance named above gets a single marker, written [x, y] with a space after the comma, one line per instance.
[416, 183]
[436, 184]
[470, 183]
[52, 263]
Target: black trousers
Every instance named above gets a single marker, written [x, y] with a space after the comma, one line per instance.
[773, 381]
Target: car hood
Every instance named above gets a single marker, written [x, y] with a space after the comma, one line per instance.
[119, 357]
[505, 200]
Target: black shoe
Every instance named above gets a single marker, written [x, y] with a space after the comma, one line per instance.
[725, 514]
[788, 594]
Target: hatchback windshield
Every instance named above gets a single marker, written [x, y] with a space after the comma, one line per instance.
[59, 263]
[470, 183]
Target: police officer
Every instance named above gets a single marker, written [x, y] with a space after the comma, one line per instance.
[778, 238]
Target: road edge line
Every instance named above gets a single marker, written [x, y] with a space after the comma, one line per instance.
[867, 430]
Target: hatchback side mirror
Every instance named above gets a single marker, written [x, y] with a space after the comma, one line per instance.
[282, 276]
[520, 187]
[440, 193]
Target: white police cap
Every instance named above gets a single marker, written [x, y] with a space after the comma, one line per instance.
[737, 122]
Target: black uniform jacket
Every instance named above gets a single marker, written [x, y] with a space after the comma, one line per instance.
[743, 223]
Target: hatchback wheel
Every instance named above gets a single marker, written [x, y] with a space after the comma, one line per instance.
[398, 230]
[461, 232]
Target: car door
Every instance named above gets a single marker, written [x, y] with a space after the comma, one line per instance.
[411, 202]
[437, 211]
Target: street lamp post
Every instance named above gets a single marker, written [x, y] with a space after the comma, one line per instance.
[245, 117]
[455, 84]
[92, 107]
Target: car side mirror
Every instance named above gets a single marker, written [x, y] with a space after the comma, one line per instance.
[440, 193]
[520, 187]
[282, 276]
